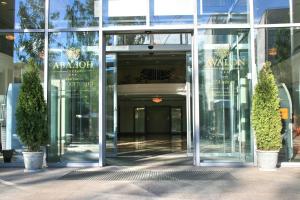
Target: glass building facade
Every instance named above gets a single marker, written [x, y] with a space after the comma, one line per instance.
[79, 45]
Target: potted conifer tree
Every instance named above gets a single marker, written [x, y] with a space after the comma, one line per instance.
[31, 116]
[266, 120]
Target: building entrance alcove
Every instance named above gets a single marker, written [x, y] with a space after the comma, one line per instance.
[148, 99]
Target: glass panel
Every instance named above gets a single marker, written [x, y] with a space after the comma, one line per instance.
[73, 95]
[74, 13]
[296, 13]
[16, 49]
[176, 120]
[223, 11]
[189, 104]
[124, 12]
[127, 39]
[146, 39]
[281, 47]
[172, 38]
[224, 95]
[271, 12]
[139, 120]
[111, 104]
[22, 14]
[171, 11]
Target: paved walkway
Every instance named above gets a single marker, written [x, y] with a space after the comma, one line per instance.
[144, 182]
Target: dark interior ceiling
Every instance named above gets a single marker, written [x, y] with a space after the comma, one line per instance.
[151, 59]
[154, 67]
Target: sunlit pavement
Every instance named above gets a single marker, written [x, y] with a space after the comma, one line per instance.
[146, 182]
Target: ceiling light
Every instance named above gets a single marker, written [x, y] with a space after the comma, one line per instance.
[157, 99]
[3, 3]
[9, 37]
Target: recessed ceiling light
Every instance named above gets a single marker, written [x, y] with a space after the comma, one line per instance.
[157, 99]
[3, 3]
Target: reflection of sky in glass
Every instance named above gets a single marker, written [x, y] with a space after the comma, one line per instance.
[260, 7]
[171, 11]
[17, 19]
[221, 6]
[223, 11]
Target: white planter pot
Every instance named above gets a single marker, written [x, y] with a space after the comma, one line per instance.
[267, 160]
[33, 161]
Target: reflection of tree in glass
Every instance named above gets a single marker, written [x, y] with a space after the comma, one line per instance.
[281, 64]
[126, 39]
[283, 45]
[134, 39]
[30, 45]
[31, 14]
[121, 21]
[81, 14]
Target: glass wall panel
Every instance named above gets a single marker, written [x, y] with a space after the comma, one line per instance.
[74, 13]
[111, 104]
[16, 49]
[271, 12]
[281, 46]
[21, 14]
[296, 13]
[171, 11]
[125, 12]
[127, 39]
[73, 96]
[179, 38]
[224, 95]
[223, 11]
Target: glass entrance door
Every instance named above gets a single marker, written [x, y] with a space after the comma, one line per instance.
[224, 95]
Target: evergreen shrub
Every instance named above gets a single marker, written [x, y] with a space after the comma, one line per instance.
[31, 111]
[266, 119]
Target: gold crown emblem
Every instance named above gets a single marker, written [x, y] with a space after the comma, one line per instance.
[73, 53]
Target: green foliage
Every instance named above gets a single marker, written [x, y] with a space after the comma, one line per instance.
[31, 110]
[266, 119]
